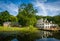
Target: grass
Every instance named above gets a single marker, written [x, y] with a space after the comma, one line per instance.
[24, 29]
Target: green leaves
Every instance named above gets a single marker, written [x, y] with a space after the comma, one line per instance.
[13, 19]
[5, 16]
[57, 19]
[26, 15]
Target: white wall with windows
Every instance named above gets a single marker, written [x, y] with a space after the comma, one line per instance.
[44, 24]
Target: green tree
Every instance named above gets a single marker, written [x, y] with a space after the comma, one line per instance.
[57, 19]
[4, 16]
[13, 18]
[49, 18]
[38, 17]
[26, 15]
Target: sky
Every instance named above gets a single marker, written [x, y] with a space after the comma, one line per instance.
[44, 7]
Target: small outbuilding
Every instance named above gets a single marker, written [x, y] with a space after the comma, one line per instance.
[11, 24]
[7, 24]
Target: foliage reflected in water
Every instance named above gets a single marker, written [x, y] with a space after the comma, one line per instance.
[29, 36]
[20, 37]
[49, 36]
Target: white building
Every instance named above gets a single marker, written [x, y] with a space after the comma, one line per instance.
[45, 24]
[7, 24]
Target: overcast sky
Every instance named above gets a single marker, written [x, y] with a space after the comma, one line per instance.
[44, 7]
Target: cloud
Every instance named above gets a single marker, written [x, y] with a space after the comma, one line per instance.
[11, 8]
[41, 1]
[53, 8]
[41, 6]
[45, 9]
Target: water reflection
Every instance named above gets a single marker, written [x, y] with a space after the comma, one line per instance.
[14, 39]
[49, 36]
[41, 36]
[48, 39]
[45, 34]
[14, 36]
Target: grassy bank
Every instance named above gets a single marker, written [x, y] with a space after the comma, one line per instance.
[22, 34]
[31, 28]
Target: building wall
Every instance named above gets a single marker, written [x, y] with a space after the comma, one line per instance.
[45, 24]
[6, 25]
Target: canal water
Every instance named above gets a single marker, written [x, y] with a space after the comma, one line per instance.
[41, 36]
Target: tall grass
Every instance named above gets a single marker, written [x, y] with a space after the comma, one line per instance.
[23, 29]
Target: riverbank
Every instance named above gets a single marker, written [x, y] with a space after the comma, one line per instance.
[25, 33]
[22, 34]
[31, 28]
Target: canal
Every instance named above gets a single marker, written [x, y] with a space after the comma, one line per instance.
[40, 36]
